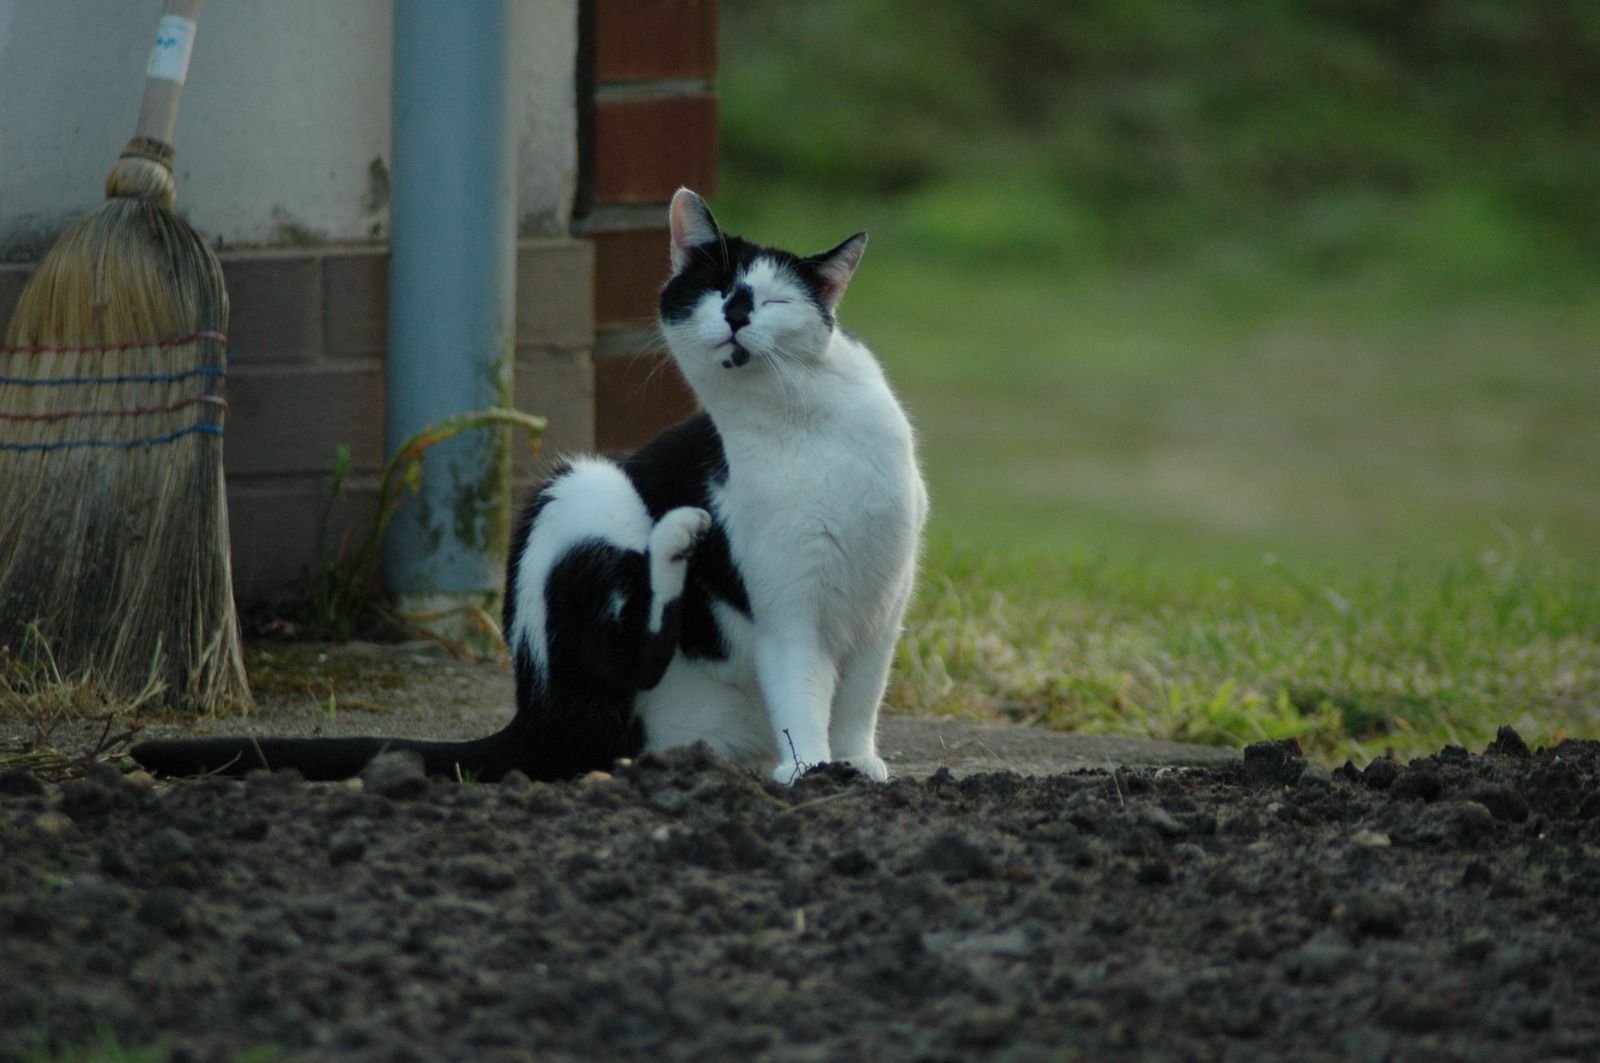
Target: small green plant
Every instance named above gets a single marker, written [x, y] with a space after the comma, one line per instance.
[104, 1049]
[342, 588]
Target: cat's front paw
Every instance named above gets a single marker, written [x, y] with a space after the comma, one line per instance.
[787, 773]
[674, 537]
[870, 765]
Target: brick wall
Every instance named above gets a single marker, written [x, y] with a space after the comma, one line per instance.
[308, 333]
[650, 126]
[308, 342]
[308, 324]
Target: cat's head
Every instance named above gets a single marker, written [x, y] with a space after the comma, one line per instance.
[733, 308]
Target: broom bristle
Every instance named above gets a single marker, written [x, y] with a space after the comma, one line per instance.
[113, 514]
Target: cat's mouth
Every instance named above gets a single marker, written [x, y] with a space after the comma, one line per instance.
[737, 357]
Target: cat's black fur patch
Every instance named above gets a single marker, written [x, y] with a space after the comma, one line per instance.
[715, 267]
[710, 268]
[578, 715]
[679, 468]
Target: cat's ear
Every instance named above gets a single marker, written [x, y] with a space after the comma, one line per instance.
[692, 225]
[836, 267]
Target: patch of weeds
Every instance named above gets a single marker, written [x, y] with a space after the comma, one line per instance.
[341, 595]
[1402, 661]
[1365, 716]
[34, 691]
[324, 675]
[32, 686]
[313, 670]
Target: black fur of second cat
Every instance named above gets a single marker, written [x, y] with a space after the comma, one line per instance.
[580, 718]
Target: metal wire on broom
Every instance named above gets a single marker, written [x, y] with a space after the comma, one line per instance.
[104, 528]
[44, 417]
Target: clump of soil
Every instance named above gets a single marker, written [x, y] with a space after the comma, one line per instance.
[681, 909]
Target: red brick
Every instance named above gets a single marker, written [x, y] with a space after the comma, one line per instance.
[645, 149]
[647, 40]
[630, 268]
[635, 398]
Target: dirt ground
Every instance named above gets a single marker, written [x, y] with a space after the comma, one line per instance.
[1062, 908]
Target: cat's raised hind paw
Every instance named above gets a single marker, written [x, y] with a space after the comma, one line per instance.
[674, 537]
[672, 540]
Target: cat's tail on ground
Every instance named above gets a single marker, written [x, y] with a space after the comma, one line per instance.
[484, 759]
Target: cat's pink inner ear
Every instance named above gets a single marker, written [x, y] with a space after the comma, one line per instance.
[839, 265]
[692, 225]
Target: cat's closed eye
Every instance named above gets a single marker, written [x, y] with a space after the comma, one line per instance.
[776, 302]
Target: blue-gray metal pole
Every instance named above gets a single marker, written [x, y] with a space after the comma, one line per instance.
[452, 274]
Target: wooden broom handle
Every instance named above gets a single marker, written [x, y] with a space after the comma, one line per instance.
[167, 69]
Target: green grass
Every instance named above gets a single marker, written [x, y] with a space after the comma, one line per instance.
[1360, 509]
[1165, 122]
[1219, 505]
[1403, 659]
[1255, 350]
[1201, 409]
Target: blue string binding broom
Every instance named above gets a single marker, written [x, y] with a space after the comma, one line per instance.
[113, 515]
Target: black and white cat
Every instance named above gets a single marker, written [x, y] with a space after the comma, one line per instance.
[740, 580]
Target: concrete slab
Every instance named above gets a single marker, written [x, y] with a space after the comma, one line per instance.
[416, 690]
[916, 747]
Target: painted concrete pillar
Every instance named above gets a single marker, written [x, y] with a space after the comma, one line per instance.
[452, 278]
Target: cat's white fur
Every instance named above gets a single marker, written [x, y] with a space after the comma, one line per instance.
[594, 494]
[671, 541]
[823, 507]
[595, 499]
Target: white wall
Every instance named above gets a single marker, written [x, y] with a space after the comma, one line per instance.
[285, 116]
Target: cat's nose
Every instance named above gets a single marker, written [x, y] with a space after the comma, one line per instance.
[737, 308]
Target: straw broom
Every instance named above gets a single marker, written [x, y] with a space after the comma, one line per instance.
[113, 515]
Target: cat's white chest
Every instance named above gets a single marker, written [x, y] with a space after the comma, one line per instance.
[823, 527]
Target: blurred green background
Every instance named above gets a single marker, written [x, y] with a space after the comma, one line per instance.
[1254, 346]
[1194, 279]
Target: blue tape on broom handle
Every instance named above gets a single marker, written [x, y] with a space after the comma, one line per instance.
[152, 378]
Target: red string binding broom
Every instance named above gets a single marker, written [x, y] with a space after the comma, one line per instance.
[113, 515]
